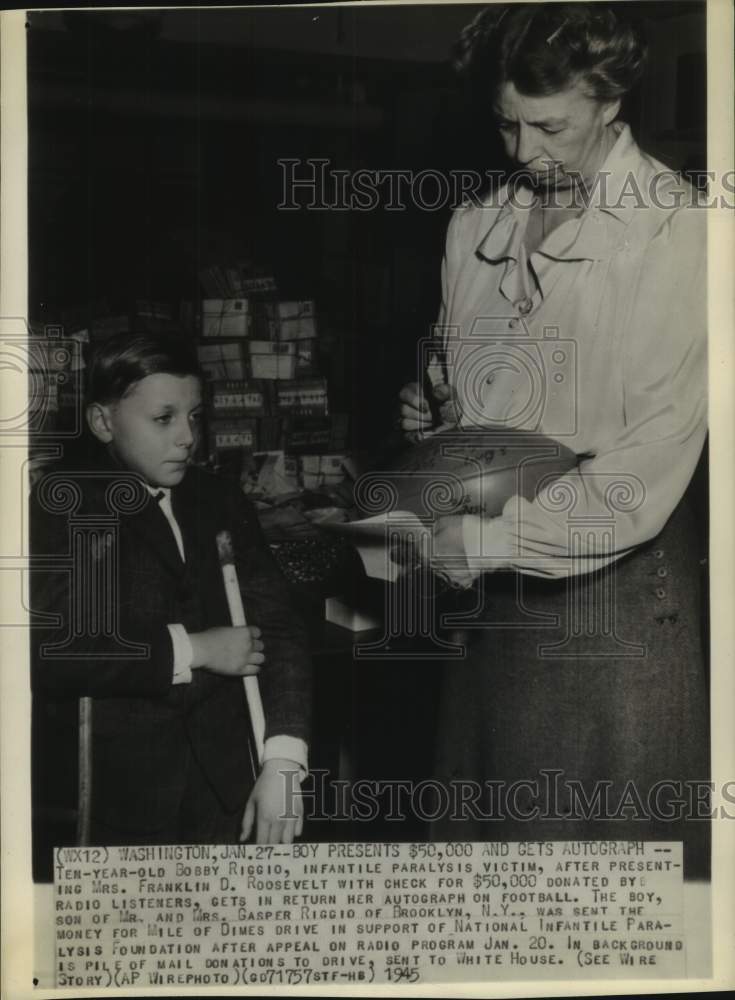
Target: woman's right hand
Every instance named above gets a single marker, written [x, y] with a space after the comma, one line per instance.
[233, 651]
[415, 415]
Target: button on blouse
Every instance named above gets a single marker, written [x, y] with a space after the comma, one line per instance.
[610, 359]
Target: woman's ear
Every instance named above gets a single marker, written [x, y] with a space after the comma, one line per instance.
[610, 112]
[99, 422]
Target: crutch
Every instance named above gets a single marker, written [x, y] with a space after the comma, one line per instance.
[84, 787]
[237, 614]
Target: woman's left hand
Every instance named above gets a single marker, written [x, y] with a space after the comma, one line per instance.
[446, 554]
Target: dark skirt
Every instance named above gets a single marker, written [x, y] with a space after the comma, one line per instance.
[584, 703]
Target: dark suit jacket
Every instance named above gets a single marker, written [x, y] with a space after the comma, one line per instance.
[113, 597]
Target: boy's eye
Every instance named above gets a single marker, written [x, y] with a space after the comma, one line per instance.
[164, 418]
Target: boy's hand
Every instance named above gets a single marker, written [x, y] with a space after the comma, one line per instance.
[231, 651]
[275, 805]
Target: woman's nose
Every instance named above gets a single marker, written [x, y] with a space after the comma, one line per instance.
[527, 148]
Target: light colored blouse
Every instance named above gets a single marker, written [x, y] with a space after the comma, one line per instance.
[609, 359]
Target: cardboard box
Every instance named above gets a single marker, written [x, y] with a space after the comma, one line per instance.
[271, 474]
[321, 435]
[221, 361]
[271, 360]
[305, 397]
[306, 357]
[318, 471]
[147, 309]
[270, 433]
[266, 283]
[226, 318]
[291, 320]
[240, 397]
[235, 433]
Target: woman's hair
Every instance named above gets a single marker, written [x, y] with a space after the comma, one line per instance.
[122, 360]
[543, 48]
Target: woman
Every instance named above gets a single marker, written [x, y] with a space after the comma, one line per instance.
[574, 305]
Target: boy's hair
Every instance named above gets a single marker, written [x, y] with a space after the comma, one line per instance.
[124, 359]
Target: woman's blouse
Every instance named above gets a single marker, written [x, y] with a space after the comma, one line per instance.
[599, 344]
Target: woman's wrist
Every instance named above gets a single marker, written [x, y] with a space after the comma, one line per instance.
[486, 544]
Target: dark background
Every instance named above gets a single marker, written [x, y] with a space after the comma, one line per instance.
[155, 135]
[153, 145]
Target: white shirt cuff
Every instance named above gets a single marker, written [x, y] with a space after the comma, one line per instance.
[183, 654]
[487, 544]
[288, 748]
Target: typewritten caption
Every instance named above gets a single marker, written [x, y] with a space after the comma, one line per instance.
[366, 913]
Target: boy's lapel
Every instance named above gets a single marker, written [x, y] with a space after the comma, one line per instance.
[192, 515]
[148, 527]
[154, 531]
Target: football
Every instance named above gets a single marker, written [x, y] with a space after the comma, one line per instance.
[464, 471]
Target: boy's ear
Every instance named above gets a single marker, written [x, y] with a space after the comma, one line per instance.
[99, 422]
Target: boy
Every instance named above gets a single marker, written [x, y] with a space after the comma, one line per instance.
[142, 623]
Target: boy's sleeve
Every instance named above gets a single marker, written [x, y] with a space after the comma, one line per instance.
[74, 650]
[287, 748]
[285, 678]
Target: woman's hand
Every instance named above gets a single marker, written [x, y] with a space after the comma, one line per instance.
[275, 806]
[415, 415]
[447, 558]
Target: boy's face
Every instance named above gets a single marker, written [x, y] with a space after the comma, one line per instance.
[154, 428]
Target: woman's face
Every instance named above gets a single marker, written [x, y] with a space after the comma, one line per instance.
[554, 136]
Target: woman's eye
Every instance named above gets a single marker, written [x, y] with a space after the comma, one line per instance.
[551, 131]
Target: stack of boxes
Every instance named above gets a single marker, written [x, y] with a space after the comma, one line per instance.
[260, 354]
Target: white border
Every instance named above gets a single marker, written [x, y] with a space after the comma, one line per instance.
[17, 888]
